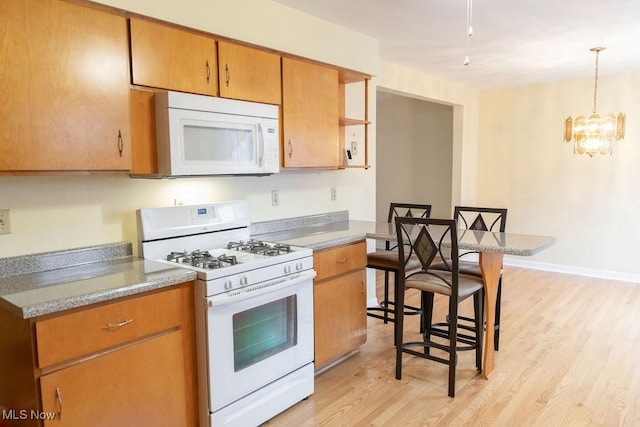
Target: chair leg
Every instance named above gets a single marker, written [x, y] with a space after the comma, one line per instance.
[478, 308]
[398, 325]
[496, 336]
[426, 317]
[386, 296]
[453, 340]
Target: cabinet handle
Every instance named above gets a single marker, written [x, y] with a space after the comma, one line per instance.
[120, 143]
[208, 70]
[342, 260]
[117, 325]
[226, 70]
[59, 402]
[290, 149]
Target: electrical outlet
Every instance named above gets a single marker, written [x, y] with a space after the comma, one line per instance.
[354, 148]
[5, 223]
[334, 193]
[275, 198]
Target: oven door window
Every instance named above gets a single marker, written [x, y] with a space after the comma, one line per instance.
[261, 332]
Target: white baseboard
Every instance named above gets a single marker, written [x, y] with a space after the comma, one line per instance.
[579, 271]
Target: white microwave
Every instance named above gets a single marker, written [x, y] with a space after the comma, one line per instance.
[201, 135]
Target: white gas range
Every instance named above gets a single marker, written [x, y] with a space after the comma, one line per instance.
[254, 309]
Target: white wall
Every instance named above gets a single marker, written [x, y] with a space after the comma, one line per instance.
[59, 212]
[414, 139]
[268, 24]
[401, 80]
[590, 205]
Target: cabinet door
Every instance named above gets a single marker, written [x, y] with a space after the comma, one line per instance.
[309, 115]
[139, 385]
[174, 59]
[340, 317]
[249, 74]
[64, 82]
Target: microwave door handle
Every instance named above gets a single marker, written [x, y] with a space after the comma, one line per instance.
[261, 146]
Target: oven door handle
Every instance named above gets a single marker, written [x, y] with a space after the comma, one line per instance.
[259, 289]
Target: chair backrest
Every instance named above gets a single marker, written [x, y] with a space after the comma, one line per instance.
[431, 240]
[410, 210]
[478, 218]
[484, 219]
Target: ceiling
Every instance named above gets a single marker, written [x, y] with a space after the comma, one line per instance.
[514, 42]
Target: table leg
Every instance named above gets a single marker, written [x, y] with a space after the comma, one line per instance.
[490, 265]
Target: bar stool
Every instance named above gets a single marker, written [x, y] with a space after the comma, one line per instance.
[484, 219]
[430, 239]
[387, 261]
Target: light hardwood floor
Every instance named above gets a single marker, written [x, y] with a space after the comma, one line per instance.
[569, 356]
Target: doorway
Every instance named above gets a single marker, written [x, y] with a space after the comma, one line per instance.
[414, 152]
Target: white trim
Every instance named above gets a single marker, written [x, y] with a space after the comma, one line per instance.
[580, 271]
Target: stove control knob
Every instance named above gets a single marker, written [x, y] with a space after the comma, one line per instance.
[228, 284]
[244, 281]
[287, 269]
[298, 266]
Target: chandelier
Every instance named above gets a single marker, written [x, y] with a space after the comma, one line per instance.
[595, 134]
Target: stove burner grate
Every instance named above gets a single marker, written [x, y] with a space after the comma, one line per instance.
[259, 247]
[202, 259]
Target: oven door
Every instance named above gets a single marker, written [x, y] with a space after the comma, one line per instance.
[255, 340]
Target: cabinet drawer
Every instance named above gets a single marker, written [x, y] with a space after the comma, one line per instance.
[338, 260]
[83, 332]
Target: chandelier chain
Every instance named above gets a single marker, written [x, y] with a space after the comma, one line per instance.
[595, 85]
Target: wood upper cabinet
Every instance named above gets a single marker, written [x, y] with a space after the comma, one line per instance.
[309, 115]
[166, 57]
[340, 302]
[64, 82]
[249, 74]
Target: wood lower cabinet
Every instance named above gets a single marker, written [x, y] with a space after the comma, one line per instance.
[139, 385]
[309, 115]
[64, 82]
[166, 57]
[130, 362]
[340, 302]
[249, 74]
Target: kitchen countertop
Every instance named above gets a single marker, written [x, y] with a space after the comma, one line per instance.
[39, 284]
[327, 235]
[317, 231]
[49, 282]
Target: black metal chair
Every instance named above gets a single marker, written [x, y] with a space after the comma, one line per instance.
[484, 219]
[387, 260]
[433, 240]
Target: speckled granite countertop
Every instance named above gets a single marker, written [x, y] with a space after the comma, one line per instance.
[34, 285]
[39, 284]
[313, 231]
[327, 230]
[326, 235]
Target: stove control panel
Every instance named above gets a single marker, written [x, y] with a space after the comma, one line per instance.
[258, 275]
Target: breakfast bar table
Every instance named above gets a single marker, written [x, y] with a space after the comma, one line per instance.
[491, 246]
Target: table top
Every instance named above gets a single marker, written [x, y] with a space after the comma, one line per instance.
[332, 234]
[481, 241]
